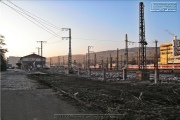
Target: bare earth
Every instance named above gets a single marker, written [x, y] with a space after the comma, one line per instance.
[128, 100]
[26, 99]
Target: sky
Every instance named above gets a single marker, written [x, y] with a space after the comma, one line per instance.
[101, 24]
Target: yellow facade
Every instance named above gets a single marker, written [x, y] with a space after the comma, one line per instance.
[166, 51]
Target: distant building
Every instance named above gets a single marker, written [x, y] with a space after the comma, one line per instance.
[165, 52]
[32, 61]
[170, 52]
[12, 60]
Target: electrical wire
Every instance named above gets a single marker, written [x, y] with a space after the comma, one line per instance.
[19, 12]
[54, 42]
[39, 20]
[96, 39]
[54, 36]
[35, 19]
[42, 20]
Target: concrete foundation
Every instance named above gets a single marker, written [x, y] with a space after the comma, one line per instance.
[143, 75]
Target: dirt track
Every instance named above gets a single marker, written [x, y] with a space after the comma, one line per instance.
[133, 100]
[26, 99]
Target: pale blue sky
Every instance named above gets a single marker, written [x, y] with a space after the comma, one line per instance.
[97, 20]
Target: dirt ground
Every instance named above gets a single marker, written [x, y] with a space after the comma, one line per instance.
[127, 100]
[26, 99]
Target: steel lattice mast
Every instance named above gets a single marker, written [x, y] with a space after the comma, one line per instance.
[142, 41]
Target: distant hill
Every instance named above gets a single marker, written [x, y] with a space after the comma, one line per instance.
[132, 53]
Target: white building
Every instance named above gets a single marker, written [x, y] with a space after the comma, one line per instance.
[12, 60]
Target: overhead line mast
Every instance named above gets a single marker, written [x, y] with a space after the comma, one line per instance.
[142, 41]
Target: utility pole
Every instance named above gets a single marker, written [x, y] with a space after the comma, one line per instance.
[95, 60]
[38, 49]
[110, 62]
[102, 62]
[63, 60]
[156, 75]
[84, 61]
[70, 53]
[89, 56]
[107, 63]
[92, 61]
[41, 51]
[117, 59]
[59, 60]
[126, 58]
[126, 51]
[137, 58]
[50, 62]
[121, 61]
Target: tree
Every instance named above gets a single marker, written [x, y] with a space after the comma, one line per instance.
[2, 54]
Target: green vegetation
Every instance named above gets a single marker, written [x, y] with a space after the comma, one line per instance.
[2, 53]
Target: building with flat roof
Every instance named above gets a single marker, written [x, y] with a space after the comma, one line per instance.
[12, 60]
[170, 52]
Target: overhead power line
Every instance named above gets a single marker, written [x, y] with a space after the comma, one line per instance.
[40, 19]
[53, 36]
[96, 39]
[43, 22]
[54, 42]
[21, 13]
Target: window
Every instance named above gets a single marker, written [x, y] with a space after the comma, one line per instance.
[25, 59]
[38, 59]
[29, 59]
